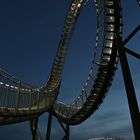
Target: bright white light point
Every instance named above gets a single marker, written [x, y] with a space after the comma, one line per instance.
[79, 5]
[110, 44]
[111, 37]
[7, 85]
[111, 18]
[1, 83]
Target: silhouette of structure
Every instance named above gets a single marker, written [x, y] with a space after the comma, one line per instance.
[21, 102]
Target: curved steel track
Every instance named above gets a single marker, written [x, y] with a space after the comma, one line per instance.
[104, 63]
[14, 106]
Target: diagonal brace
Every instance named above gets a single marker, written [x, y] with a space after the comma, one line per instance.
[131, 35]
[132, 53]
[130, 91]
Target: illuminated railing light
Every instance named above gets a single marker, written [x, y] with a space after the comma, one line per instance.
[26, 89]
[12, 86]
[86, 84]
[111, 37]
[79, 5]
[22, 89]
[83, 90]
[6, 85]
[1, 83]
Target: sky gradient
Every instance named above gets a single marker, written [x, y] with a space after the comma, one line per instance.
[30, 31]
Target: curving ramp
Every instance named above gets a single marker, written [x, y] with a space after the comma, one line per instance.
[104, 60]
[20, 101]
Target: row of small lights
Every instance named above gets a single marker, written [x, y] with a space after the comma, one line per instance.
[13, 87]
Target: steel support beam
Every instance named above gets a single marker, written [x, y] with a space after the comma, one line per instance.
[67, 132]
[132, 53]
[33, 126]
[62, 125]
[48, 134]
[130, 91]
[131, 35]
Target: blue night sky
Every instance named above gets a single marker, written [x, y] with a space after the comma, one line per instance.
[30, 31]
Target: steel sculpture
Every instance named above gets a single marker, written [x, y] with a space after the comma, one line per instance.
[21, 102]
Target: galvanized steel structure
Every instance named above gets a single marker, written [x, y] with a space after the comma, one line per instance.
[21, 102]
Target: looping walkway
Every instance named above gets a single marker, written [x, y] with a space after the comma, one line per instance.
[20, 101]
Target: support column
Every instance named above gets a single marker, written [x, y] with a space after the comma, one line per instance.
[48, 134]
[130, 91]
[67, 132]
[65, 129]
[34, 127]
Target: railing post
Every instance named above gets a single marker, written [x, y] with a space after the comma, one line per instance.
[18, 96]
[38, 99]
[30, 100]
